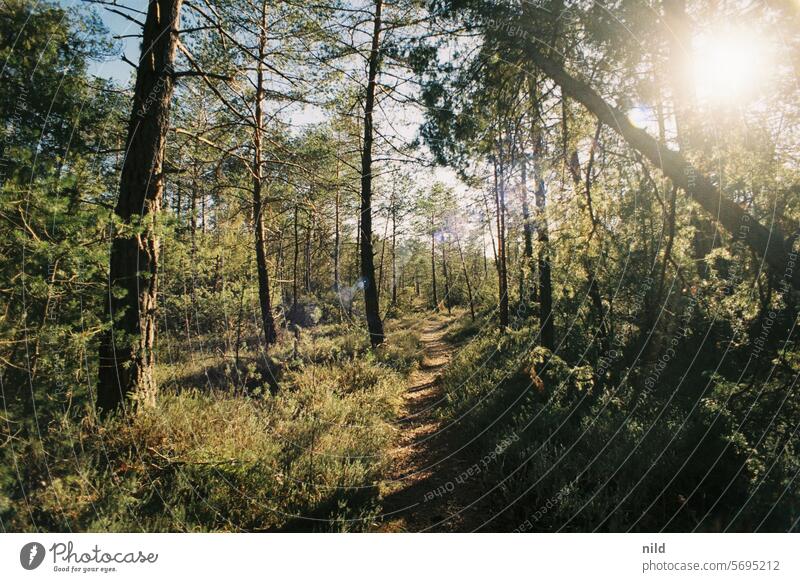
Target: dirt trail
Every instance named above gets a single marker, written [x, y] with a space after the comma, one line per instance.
[425, 457]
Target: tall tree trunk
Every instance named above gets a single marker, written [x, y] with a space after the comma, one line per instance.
[489, 226]
[126, 350]
[371, 305]
[433, 268]
[394, 251]
[268, 323]
[307, 254]
[485, 261]
[527, 230]
[546, 327]
[337, 243]
[500, 202]
[193, 248]
[466, 278]
[279, 269]
[296, 258]
[447, 301]
[527, 226]
[545, 282]
[383, 255]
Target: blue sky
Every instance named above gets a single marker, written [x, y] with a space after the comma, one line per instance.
[121, 72]
[114, 68]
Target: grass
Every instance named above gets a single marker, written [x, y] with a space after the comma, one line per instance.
[307, 456]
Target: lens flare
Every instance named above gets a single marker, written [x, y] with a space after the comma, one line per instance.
[729, 65]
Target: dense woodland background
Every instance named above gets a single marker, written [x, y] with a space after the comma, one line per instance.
[219, 281]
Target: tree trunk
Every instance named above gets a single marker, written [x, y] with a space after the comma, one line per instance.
[433, 268]
[767, 243]
[489, 228]
[447, 301]
[383, 255]
[500, 202]
[394, 251]
[193, 248]
[545, 291]
[372, 308]
[307, 254]
[126, 350]
[296, 258]
[466, 278]
[527, 230]
[279, 269]
[268, 323]
[337, 243]
[545, 282]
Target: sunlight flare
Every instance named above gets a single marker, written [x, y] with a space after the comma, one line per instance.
[729, 64]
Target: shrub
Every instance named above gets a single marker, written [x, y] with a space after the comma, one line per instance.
[624, 459]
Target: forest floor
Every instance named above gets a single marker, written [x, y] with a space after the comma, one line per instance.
[421, 494]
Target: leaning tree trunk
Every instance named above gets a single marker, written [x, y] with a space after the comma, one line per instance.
[267, 321]
[126, 349]
[371, 305]
[767, 243]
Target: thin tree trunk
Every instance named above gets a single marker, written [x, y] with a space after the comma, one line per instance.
[193, 247]
[394, 251]
[296, 258]
[383, 255]
[433, 268]
[279, 268]
[500, 202]
[447, 301]
[336, 234]
[466, 278]
[527, 229]
[546, 327]
[489, 226]
[307, 255]
[126, 356]
[239, 318]
[372, 307]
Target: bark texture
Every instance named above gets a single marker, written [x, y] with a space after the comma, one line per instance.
[126, 350]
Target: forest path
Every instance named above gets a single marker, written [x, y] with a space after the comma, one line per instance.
[425, 459]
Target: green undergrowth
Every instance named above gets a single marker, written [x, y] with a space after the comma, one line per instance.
[557, 453]
[307, 456]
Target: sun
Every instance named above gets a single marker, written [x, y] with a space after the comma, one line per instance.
[729, 65]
